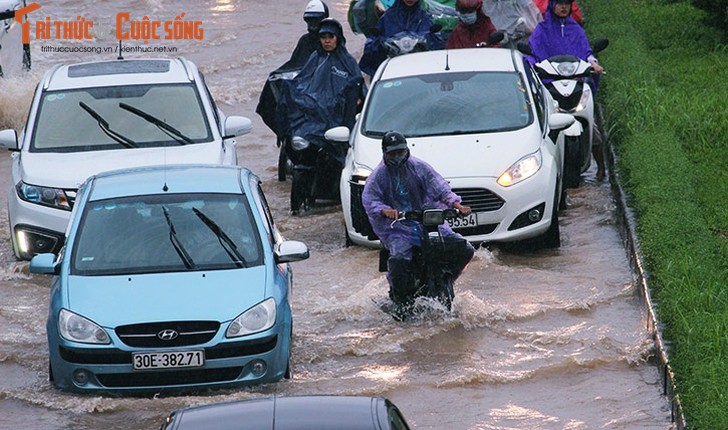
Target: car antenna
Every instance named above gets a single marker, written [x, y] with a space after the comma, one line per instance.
[120, 57]
[447, 60]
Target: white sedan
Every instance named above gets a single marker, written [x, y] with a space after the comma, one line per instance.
[480, 117]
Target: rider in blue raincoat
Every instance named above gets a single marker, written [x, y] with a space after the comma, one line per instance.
[326, 93]
[403, 16]
[404, 183]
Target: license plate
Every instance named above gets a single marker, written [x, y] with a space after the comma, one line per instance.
[463, 222]
[167, 360]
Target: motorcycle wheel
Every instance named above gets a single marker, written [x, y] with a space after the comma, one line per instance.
[572, 161]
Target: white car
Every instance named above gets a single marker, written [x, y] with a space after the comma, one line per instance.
[483, 119]
[91, 117]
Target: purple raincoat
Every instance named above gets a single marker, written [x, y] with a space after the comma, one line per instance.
[423, 188]
[559, 36]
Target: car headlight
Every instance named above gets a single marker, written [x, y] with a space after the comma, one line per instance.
[521, 170]
[360, 174]
[76, 328]
[53, 197]
[256, 319]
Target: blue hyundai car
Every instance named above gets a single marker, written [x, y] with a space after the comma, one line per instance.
[172, 278]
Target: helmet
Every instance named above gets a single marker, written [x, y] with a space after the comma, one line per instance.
[315, 10]
[468, 6]
[393, 141]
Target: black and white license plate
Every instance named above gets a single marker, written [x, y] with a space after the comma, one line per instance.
[167, 359]
[464, 222]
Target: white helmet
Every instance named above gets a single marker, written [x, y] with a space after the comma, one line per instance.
[316, 9]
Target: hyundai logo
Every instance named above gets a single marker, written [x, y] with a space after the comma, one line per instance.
[168, 334]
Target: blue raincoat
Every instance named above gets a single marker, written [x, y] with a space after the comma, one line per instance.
[413, 186]
[559, 36]
[323, 95]
[397, 19]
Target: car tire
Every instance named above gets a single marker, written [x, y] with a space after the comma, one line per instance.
[51, 378]
[552, 237]
[289, 367]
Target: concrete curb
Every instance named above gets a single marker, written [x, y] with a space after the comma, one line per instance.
[627, 224]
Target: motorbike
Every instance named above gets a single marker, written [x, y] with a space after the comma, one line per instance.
[432, 280]
[568, 79]
[406, 42]
[315, 170]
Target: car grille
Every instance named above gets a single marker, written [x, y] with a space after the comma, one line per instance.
[480, 199]
[151, 335]
[168, 377]
[116, 356]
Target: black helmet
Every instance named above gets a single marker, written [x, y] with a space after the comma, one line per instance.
[393, 141]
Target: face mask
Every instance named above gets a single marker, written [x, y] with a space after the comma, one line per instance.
[396, 161]
[468, 18]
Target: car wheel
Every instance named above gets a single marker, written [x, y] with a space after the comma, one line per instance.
[50, 372]
[572, 161]
[552, 237]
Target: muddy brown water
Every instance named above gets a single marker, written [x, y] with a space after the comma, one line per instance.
[539, 340]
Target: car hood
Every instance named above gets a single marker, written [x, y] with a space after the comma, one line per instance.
[469, 155]
[219, 295]
[69, 170]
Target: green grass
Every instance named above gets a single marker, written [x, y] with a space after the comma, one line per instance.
[664, 98]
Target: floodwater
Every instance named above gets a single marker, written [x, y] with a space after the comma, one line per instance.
[540, 340]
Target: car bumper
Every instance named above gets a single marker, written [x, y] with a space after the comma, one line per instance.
[227, 364]
[35, 229]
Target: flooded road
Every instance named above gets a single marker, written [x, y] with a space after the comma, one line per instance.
[552, 339]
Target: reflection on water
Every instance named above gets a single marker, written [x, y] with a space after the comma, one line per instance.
[538, 340]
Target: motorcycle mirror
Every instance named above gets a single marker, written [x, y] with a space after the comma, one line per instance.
[524, 48]
[600, 45]
[496, 37]
[435, 28]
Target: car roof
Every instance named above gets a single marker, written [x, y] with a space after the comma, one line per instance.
[119, 72]
[452, 61]
[174, 179]
[313, 412]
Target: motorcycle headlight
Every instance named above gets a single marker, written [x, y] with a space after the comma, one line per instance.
[584, 101]
[76, 328]
[256, 319]
[53, 197]
[567, 68]
[298, 143]
[521, 170]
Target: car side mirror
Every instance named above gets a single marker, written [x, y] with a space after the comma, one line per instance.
[290, 251]
[560, 121]
[45, 264]
[9, 139]
[337, 134]
[237, 126]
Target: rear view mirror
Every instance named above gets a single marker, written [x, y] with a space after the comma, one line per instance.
[237, 126]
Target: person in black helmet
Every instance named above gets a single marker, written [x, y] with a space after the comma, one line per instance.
[404, 183]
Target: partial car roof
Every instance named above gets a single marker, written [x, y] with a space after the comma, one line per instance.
[452, 60]
[317, 412]
[119, 72]
[174, 179]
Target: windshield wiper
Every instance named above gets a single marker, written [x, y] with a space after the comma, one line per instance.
[166, 128]
[231, 249]
[183, 254]
[104, 125]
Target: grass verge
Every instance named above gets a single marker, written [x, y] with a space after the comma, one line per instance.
[664, 98]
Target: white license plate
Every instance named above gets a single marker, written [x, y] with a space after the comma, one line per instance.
[167, 360]
[463, 222]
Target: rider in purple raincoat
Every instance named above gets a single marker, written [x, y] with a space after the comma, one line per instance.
[404, 183]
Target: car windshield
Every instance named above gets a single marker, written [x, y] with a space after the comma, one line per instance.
[74, 120]
[448, 103]
[166, 233]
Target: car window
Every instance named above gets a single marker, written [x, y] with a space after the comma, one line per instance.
[166, 233]
[448, 103]
[537, 93]
[68, 121]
